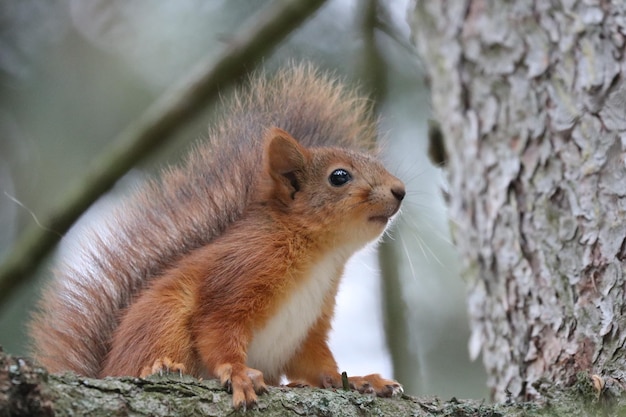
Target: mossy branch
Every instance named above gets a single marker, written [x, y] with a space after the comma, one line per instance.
[27, 390]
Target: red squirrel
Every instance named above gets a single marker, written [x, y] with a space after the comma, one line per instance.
[228, 265]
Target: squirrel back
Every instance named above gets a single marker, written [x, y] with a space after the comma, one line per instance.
[185, 209]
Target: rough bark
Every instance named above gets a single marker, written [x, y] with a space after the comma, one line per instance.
[531, 99]
[26, 390]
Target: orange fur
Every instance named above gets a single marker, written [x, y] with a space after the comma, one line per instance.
[219, 304]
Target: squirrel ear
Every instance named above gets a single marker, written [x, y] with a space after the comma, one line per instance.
[285, 157]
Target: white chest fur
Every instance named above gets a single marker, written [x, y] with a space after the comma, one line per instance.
[273, 345]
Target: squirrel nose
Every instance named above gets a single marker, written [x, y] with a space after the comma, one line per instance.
[398, 192]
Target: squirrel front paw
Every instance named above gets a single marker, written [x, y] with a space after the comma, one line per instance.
[163, 366]
[368, 384]
[244, 383]
[375, 384]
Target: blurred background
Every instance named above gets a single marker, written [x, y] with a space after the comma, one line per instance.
[74, 73]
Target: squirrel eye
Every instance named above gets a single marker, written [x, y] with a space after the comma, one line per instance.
[339, 177]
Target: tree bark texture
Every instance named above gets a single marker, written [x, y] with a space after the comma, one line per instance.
[531, 98]
[27, 390]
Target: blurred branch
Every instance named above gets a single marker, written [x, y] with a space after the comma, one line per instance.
[375, 70]
[167, 114]
[383, 23]
[393, 306]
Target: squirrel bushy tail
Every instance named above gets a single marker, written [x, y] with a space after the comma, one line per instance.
[187, 207]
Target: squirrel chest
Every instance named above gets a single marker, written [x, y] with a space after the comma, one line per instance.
[276, 341]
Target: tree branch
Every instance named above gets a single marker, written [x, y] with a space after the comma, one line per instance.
[27, 390]
[171, 111]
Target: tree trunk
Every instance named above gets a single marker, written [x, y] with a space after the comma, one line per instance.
[531, 100]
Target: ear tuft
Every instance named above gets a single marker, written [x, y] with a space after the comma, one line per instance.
[285, 158]
[284, 153]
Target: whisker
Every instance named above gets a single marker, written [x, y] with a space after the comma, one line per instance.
[408, 257]
[32, 214]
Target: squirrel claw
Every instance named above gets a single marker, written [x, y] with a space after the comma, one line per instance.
[243, 382]
[390, 390]
[297, 384]
[161, 366]
[375, 384]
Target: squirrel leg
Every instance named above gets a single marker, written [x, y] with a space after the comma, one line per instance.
[152, 337]
[315, 365]
[223, 354]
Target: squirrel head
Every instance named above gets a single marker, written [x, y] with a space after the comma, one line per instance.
[332, 194]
